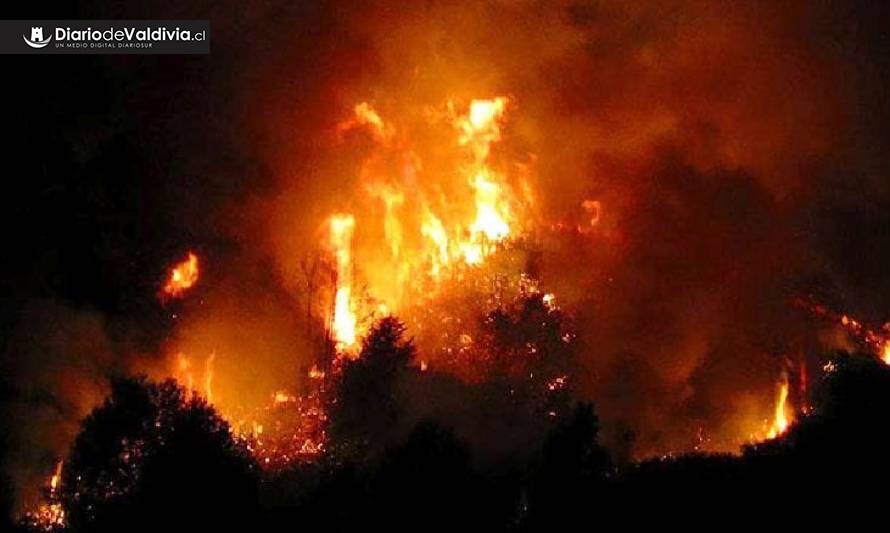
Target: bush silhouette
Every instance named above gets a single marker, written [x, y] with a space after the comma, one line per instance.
[150, 458]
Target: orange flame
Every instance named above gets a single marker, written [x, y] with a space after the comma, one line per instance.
[316, 373]
[365, 115]
[479, 129]
[462, 227]
[431, 227]
[343, 326]
[208, 377]
[183, 373]
[282, 397]
[57, 476]
[182, 277]
[781, 416]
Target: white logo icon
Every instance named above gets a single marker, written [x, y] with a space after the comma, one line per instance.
[37, 40]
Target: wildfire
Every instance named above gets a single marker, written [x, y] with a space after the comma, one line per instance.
[182, 277]
[407, 238]
[423, 236]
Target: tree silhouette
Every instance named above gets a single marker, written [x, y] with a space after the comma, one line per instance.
[428, 479]
[526, 336]
[152, 457]
[367, 406]
[572, 469]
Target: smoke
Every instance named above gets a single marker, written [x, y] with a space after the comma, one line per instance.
[736, 152]
[59, 361]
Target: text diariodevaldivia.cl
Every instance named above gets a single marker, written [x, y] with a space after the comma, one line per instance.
[129, 34]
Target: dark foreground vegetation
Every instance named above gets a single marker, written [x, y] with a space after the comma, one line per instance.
[153, 459]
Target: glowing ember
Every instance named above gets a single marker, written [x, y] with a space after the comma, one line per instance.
[182, 277]
[549, 300]
[557, 383]
[295, 430]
